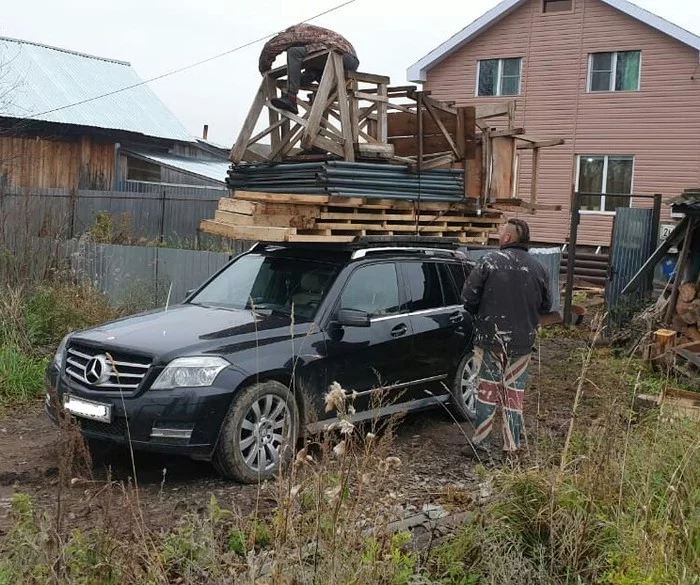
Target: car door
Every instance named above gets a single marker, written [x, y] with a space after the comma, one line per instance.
[371, 360]
[439, 323]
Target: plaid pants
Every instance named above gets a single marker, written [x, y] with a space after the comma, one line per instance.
[502, 381]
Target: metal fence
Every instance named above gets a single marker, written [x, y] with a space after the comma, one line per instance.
[147, 211]
[143, 276]
[550, 259]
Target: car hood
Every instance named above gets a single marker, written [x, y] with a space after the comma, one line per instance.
[187, 329]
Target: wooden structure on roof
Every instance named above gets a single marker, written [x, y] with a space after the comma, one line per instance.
[356, 116]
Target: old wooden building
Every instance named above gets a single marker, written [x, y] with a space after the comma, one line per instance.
[66, 121]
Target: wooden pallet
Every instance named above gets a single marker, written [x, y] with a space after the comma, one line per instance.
[312, 218]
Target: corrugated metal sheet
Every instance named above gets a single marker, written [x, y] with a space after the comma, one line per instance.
[632, 245]
[48, 78]
[209, 169]
[550, 259]
[554, 104]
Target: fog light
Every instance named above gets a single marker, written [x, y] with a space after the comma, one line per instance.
[171, 433]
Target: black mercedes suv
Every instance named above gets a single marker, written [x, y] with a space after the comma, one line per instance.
[238, 371]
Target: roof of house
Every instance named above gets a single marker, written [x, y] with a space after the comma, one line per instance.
[417, 72]
[213, 170]
[56, 85]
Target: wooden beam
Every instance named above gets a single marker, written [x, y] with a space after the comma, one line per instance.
[344, 106]
[368, 77]
[442, 106]
[494, 110]
[261, 135]
[251, 120]
[360, 95]
[382, 112]
[238, 206]
[507, 132]
[354, 112]
[319, 105]
[539, 144]
[258, 233]
[289, 138]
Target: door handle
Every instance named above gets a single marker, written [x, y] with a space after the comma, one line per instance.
[456, 318]
[399, 330]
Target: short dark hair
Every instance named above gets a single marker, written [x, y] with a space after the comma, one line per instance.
[522, 229]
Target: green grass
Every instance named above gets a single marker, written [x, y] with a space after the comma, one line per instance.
[21, 376]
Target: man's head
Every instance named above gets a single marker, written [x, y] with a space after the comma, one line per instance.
[515, 231]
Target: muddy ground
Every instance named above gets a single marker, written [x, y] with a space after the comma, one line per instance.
[428, 443]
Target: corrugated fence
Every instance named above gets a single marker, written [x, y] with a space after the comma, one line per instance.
[144, 212]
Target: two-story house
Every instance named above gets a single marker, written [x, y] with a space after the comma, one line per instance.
[618, 83]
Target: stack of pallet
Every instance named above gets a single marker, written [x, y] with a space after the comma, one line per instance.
[276, 217]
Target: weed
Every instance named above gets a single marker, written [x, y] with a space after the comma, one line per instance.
[21, 376]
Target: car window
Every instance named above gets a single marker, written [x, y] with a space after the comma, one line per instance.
[424, 287]
[449, 287]
[270, 283]
[373, 289]
[459, 273]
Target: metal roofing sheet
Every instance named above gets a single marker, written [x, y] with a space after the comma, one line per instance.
[47, 79]
[210, 169]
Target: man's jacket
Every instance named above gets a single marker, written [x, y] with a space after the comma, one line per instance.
[314, 38]
[506, 292]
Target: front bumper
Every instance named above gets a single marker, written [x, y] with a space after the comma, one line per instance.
[183, 421]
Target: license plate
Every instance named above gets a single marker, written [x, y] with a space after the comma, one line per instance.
[88, 409]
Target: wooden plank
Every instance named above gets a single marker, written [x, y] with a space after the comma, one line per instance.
[261, 233]
[540, 143]
[410, 216]
[367, 77]
[446, 107]
[375, 150]
[321, 239]
[438, 162]
[273, 115]
[354, 113]
[469, 131]
[238, 206]
[485, 111]
[344, 107]
[249, 123]
[268, 130]
[266, 219]
[297, 199]
[406, 124]
[507, 132]
[382, 113]
[503, 161]
[406, 146]
[395, 227]
[360, 95]
[319, 106]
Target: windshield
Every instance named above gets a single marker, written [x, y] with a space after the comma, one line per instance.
[270, 283]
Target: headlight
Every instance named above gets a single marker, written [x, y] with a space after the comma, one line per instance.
[58, 358]
[190, 372]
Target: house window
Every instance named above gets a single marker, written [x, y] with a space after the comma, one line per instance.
[602, 178]
[557, 6]
[499, 77]
[138, 169]
[614, 71]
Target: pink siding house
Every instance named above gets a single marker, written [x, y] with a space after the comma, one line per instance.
[619, 84]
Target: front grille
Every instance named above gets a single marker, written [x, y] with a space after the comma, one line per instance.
[117, 428]
[106, 370]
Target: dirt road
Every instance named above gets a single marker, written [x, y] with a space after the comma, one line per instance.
[428, 444]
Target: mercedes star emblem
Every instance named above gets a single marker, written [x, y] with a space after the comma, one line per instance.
[97, 370]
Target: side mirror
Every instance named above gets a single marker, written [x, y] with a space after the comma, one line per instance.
[352, 318]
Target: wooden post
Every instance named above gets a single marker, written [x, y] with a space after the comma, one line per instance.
[382, 113]
[344, 107]
[241, 145]
[273, 116]
[571, 261]
[319, 105]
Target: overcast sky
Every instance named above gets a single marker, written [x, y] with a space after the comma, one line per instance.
[158, 36]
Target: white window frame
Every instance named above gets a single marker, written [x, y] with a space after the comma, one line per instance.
[613, 74]
[499, 79]
[604, 189]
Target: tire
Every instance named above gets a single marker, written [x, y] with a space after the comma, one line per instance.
[465, 388]
[253, 445]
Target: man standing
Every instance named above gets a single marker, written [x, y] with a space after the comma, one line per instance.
[300, 41]
[506, 292]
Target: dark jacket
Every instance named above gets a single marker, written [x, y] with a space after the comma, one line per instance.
[506, 292]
